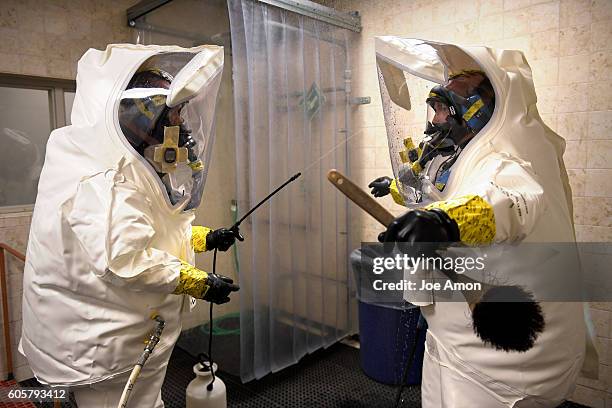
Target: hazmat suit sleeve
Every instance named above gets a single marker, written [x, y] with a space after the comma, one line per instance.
[500, 201]
[112, 221]
[198, 238]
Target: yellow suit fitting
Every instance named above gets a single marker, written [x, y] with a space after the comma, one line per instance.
[474, 217]
[192, 281]
[397, 196]
[198, 238]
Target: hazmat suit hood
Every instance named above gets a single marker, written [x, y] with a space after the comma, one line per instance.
[515, 127]
[101, 81]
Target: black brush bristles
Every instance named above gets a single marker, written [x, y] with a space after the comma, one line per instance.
[508, 318]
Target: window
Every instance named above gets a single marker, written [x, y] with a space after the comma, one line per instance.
[30, 108]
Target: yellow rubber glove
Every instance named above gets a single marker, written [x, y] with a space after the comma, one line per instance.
[198, 238]
[201, 285]
[474, 217]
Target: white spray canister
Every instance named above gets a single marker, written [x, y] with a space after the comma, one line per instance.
[198, 395]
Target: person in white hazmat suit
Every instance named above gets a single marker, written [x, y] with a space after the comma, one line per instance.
[487, 171]
[111, 242]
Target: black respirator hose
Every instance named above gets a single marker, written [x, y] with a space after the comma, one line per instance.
[417, 334]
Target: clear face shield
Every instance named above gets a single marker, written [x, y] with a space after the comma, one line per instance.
[425, 108]
[167, 113]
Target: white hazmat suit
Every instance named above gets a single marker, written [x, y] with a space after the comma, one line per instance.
[110, 245]
[508, 184]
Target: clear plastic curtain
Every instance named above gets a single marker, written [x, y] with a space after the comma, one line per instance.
[291, 111]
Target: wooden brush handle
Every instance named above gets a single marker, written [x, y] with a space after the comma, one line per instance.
[360, 197]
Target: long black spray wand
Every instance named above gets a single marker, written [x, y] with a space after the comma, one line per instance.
[206, 359]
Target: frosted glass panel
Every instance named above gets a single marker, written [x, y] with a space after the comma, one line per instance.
[25, 125]
[68, 101]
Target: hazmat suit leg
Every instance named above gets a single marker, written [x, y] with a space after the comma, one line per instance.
[443, 386]
[460, 392]
[146, 392]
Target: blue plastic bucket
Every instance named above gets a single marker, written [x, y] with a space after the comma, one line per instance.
[386, 336]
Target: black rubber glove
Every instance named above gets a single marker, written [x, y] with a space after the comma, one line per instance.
[221, 239]
[422, 226]
[381, 186]
[219, 288]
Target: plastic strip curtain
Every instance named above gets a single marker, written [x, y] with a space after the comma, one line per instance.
[290, 109]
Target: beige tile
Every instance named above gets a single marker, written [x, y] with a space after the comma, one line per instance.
[369, 137]
[102, 10]
[33, 65]
[597, 211]
[467, 33]
[10, 63]
[609, 400]
[550, 120]
[101, 29]
[31, 17]
[370, 115]
[602, 10]
[602, 306]
[445, 33]
[57, 68]
[515, 4]
[575, 40]
[599, 154]
[32, 43]
[577, 179]
[589, 233]
[79, 26]
[488, 7]
[575, 155]
[601, 35]
[544, 44]
[490, 27]
[601, 66]
[600, 125]
[55, 20]
[601, 322]
[365, 156]
[573, 126]
[600, 384]
[382, 158]
[545, 71]
[443, 12]
[588, 396]
[423, 15]
[547, 99]
[598, 183]
[516, 23]
[57, 47]
[573, 69]
[574, 12]
[10, 41]
[544, 17]
[467, 10]
[599, 96]
[573, 97]
[23, 373]
[579, 210]
[8, 14]
[522, 43]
